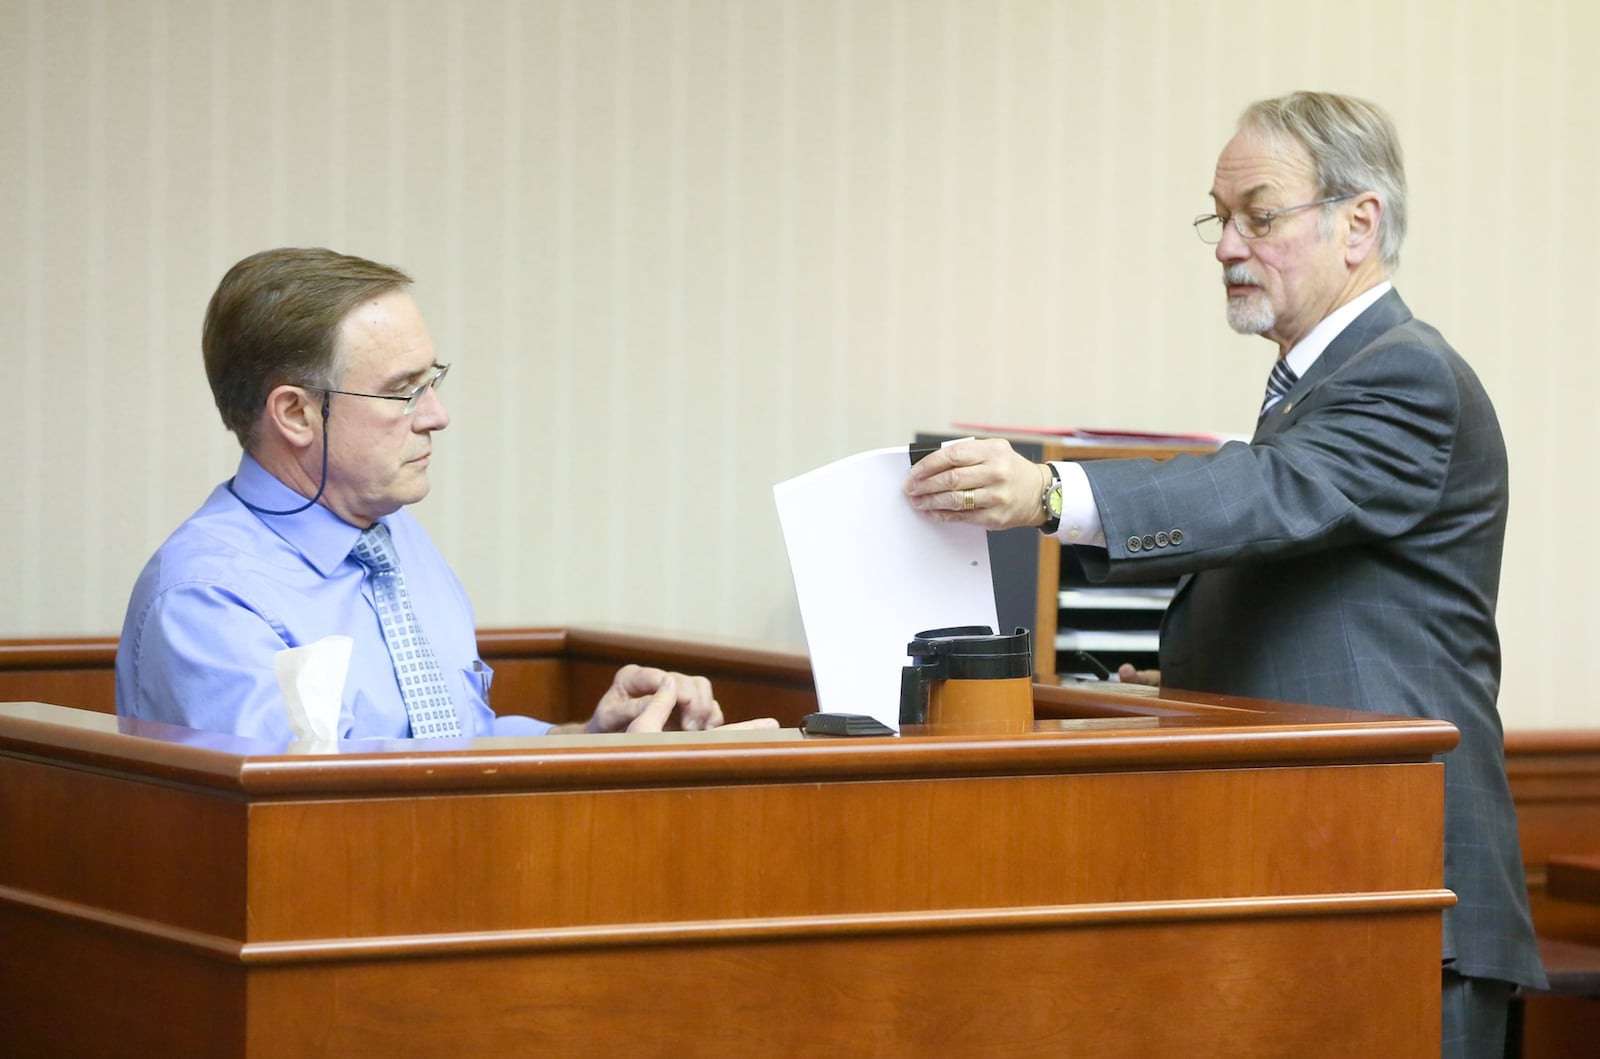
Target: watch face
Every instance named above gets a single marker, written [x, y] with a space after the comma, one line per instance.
[1055, 500]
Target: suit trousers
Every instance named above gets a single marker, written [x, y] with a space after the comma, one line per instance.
[1474, 1017]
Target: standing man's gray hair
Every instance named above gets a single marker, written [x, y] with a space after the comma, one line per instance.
[1353, 147]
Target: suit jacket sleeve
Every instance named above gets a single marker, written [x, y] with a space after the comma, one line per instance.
[1366, 457]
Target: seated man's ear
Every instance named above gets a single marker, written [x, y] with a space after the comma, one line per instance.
[294, 413]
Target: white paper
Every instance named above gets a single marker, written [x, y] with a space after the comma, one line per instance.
[870, 572]
[312, 681]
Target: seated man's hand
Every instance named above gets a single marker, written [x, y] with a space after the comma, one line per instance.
[642, 699]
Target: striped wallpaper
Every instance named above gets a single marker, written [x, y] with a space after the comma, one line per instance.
[679, 250]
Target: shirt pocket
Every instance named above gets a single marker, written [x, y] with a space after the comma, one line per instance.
[475, 681]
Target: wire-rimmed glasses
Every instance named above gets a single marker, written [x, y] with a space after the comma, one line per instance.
[1209, 226]
[411, 397]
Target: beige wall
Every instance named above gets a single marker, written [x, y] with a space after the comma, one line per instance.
[679, 251]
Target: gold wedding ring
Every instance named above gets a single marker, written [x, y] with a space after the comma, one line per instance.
[969, 499]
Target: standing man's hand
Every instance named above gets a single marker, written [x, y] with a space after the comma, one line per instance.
[984, 482]
[1129, 675]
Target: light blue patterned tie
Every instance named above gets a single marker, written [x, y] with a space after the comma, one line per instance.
[421, 684]
[1278, 384]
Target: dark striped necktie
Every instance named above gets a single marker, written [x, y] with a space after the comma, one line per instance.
[1278, 384]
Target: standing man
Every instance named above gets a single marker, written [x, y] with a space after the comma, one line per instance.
[1349, 555]
[320, 363]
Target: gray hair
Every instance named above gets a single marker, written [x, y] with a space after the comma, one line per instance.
[1353, 148]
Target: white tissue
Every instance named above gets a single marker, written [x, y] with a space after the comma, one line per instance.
[312, 681]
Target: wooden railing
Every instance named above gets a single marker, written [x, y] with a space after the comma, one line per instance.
[554, 674]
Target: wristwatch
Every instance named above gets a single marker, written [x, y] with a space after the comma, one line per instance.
[1050, 500]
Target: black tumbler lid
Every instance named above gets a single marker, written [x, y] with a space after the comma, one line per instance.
[976, 652]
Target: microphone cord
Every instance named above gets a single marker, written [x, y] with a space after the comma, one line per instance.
[327, 399]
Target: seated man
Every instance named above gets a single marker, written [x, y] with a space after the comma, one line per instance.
[320, 363]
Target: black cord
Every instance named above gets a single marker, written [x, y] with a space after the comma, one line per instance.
[326, 400]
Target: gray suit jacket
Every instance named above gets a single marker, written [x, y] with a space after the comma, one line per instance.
[1350, 556]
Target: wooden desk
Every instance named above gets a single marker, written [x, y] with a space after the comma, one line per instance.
[1573, 878]
[1220, 875]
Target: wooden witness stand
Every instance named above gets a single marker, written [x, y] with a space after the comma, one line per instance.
[1137, 876]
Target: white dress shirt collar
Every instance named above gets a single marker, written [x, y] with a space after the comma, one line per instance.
[1306, 351]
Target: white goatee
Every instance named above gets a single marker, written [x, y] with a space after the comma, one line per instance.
[1252, 314]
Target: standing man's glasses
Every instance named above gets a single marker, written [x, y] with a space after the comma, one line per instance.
[1209, 226]
[410, 397]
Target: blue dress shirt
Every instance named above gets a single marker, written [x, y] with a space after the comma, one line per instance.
[231, 588]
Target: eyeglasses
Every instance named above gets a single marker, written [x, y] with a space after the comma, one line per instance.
[1209, 226]
[410, 397]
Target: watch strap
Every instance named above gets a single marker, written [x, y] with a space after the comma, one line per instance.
[1052, 511]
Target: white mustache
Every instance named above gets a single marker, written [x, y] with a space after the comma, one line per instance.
[1238, 276]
